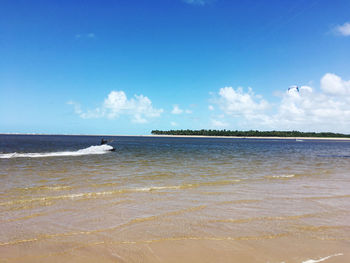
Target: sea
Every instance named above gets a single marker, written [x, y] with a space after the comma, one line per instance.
[173, 199]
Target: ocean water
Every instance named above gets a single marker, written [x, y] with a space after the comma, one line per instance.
[161, 199]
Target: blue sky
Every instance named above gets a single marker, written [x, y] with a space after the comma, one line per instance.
[127, 67]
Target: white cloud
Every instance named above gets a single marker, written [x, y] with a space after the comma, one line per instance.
[85, 115]
[343, 30]
[238, 103]
[77, 108]
[90, 35]
[218, 123]
[139, 108]
[211, 107]
[172, 123]
[325, 110]
[333, 84]
[310, 110]
[176, 110]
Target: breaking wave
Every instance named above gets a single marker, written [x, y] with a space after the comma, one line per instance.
[96, 149]
[281, 176]
[322, 259]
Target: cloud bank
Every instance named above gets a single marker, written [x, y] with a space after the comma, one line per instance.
[307, 109]
[139, 108]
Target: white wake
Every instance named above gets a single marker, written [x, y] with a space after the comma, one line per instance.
[97, 149]
[322, 259]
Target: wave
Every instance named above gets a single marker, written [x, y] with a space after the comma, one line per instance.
[281, 176]
[165, 239]
[95, 149]
[87, 195]
[266, 218]
[322, 259]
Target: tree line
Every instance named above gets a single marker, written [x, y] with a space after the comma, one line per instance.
[251, 133]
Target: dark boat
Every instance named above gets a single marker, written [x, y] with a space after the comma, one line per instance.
[103, 141]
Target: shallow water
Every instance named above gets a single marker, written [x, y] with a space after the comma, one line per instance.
[173, 200]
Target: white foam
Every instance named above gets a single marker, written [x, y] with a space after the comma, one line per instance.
[284, 176]
[322, 259]
[96, 149]
[281, 176]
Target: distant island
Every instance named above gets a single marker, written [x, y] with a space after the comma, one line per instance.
[251, 133]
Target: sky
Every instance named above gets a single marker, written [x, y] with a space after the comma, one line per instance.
[130, 67]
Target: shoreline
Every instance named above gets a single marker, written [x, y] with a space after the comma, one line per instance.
[190, 136]
[254, 137]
